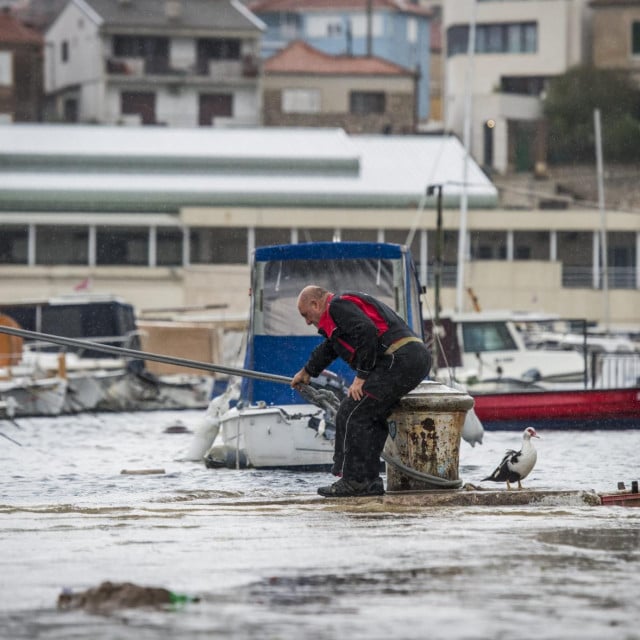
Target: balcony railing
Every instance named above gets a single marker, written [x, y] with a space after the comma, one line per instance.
[582, 278]
[215, 69]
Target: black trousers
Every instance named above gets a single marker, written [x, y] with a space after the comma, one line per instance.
[361, 425]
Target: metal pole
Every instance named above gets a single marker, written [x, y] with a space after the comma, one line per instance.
[437, 271]
[603, 218]
[144, 355]
[466, 141]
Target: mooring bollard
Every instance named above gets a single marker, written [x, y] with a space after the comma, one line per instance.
[424, 434]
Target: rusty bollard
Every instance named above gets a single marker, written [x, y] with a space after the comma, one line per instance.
[424, 434]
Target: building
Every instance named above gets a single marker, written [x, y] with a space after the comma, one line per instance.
[21, 85]
[394, 30]
[169, 217]
[518, 47]
[172, 62]
[307, 87]
[616, 35]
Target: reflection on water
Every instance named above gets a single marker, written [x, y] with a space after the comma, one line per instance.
[270, 559]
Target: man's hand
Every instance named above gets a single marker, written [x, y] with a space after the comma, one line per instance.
[355, 390]
[302, 377]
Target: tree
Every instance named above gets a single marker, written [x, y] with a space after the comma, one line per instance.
[569, 106]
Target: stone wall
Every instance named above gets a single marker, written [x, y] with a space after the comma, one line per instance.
[398, 117]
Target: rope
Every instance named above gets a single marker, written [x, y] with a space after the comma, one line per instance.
[441, 483]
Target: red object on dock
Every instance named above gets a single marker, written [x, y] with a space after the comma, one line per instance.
[623, 499]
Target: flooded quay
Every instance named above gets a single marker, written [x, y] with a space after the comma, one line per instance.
[268, 558]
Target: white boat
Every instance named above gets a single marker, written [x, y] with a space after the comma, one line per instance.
[25, 395]
[94, 381]
[267, 437]
[272, 425]
[142, 391]
[486, 346]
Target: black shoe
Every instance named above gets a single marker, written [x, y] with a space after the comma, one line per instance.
[352, 488]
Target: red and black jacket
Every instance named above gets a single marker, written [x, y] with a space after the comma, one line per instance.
[357, 328]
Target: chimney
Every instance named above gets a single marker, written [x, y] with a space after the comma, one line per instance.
[173, 9]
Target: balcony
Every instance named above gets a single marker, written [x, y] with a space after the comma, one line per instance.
[214, 69]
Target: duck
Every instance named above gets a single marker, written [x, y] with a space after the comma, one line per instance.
[517, 465]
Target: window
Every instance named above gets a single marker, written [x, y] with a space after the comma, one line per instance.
[487, 336]
[360, 26]
[300, 101]
[324, 26]
[526, 85]
[142, 104]
[412, 30]
[153, 50]
[122, 246]
[14, 245]
[531, 245]
[635, 38]
[518, 37]
[64, 51]
[224, 245]
[267, 236]
[168, 247]
[62, 245]
[212, 106]
[6, 68]
[366, 102]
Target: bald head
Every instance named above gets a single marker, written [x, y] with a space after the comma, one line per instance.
[312, 302]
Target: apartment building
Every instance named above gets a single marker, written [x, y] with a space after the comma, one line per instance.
[166, 62]
[496, 93]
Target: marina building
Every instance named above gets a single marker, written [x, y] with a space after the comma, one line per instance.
[169, 217]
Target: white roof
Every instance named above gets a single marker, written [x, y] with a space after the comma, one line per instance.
[66, 166]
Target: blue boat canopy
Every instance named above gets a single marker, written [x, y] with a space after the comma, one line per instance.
[280, 341]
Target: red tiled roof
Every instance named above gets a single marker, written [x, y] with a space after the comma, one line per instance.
[12, 31]
[265, 6]
[299, 57]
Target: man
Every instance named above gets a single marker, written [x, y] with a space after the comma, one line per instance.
[389, 361]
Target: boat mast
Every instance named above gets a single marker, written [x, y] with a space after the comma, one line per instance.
[604, 266]
[466, 141]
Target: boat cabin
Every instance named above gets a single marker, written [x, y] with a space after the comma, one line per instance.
[487, 345]
[99, 318]
[279, 339]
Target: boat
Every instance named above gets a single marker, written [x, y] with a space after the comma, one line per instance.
[578, 409]
[93, 380]
[272, 425]
[483, 346]
[606, 394]
[25, 391]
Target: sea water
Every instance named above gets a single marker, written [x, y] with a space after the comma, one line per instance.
[269, 558]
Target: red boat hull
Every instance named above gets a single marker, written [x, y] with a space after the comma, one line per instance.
[588, 409]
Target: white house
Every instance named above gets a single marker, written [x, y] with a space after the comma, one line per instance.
[519, 46]
[154, 62]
